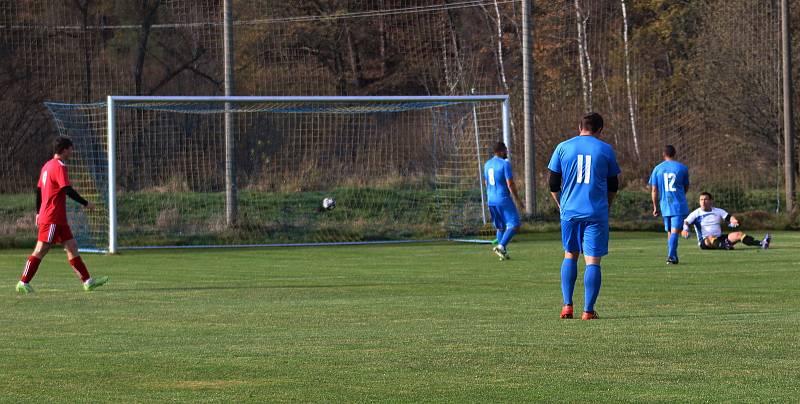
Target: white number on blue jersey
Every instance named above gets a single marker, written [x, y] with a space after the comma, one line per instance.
[491, 177]
[584, 176]
[669, 182]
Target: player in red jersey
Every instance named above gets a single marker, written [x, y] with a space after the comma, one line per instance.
[51, 207]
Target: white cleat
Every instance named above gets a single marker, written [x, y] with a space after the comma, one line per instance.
[500, 251]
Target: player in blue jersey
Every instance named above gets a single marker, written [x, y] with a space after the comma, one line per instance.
[668, 185]
[503, 198]
[583, 183]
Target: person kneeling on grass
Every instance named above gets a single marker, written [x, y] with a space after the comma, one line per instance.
[707, 219]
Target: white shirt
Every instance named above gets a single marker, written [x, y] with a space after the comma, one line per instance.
[709, 221]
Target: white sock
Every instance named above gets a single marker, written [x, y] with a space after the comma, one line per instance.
[88, 281]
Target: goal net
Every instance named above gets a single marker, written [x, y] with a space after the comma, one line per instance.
[163, 172]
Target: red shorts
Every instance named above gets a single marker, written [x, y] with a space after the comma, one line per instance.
[54, 233]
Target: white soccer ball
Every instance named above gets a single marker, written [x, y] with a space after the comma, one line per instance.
[328, 203]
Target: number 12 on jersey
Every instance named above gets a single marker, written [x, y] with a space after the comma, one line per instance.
[584, 168]
[669, 182]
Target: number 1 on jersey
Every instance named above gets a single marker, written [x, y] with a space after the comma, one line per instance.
[584, 168]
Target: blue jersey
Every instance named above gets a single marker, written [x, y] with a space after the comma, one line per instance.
[671, 179]
[585, 163]
[496, 171]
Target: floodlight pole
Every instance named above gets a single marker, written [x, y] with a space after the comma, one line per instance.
[788, 119]
[527, 113]
[230, 155]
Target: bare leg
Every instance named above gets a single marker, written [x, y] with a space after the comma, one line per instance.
[41, 249]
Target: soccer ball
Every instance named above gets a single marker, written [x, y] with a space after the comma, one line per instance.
[328, 203]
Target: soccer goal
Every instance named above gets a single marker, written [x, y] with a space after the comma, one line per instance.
[254, 171]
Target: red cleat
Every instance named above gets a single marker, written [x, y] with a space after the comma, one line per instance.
[589, 315]
[566, 311]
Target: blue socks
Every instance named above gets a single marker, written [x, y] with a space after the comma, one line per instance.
[500, 234]
[672, 245]
[569, 273]
[510, 231]
[591, 283]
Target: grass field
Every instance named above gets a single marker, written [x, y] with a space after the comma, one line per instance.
[424, 322]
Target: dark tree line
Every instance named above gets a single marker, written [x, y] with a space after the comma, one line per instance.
[701, 74]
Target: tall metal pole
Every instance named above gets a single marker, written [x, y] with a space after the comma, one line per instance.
[230, 157]
[527, 113]
[788, 119]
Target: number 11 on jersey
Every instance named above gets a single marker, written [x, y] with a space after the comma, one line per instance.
[584, 168]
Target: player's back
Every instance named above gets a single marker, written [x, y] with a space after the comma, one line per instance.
[52, 180]
[671, 179]
[496, 171]
[585, 163]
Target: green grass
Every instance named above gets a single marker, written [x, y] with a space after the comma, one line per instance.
[411, 323]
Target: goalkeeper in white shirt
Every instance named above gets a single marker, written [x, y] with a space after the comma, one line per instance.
[707, 222]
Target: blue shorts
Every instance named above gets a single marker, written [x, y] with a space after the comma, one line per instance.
[504, 216]
[588, 238]
[673, 222]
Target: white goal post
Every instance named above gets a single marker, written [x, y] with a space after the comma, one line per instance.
[406, 168]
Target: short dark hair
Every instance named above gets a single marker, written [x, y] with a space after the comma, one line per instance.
[592, 122]
[61, 143]
[669, 151]
[707, 194]
[499, 147]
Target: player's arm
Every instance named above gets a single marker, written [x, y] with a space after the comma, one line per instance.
[38, 194]
[654, 197]
[66, 185]
[686, 182]
[613, 187]
[514, 194]
[555, 187]
[653, 182]
[612, 181]
[732, 221]
[686, 223]
[512, 188]
[75, 196]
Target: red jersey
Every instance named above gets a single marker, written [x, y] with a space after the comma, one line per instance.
[52, 181]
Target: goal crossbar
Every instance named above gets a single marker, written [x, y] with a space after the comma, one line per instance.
[228, 104]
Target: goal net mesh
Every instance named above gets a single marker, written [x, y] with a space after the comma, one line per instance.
[397, 171]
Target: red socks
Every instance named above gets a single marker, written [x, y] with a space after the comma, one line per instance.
[80, 268]
[30, 269]
[33, 265]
